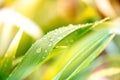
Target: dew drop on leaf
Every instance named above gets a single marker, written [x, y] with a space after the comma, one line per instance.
[50, 45]
[55, 33]
[38, 50]
[59, 38]
[44, 38]
[51, 39]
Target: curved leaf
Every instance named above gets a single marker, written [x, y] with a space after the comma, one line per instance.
[41, 49]
[89, 49]
[6, 62]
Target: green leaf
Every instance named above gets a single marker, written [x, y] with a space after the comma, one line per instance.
[85, 50]
[41, 49]
[83, 74]
[6, 63]
[70, 46]
[7, 18]
[6, 38]
[94, 55]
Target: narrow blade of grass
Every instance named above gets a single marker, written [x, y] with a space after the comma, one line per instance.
[94, 55]
[6, 63]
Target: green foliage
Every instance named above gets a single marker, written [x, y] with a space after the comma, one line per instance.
[87, 43]
[40, 50]
[70, 52]
[6, 62]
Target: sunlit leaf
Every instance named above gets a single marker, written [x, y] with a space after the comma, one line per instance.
[6, 38]
[41, 49]
[6, 63]
[89, 48]
[12, 18]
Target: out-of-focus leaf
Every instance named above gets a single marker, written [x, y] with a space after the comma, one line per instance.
[10, 17]
[28, 8]
[109, 69]
[108, 73]
[41, 49]
[51, 14]
[113, 61]
[25, 43]
[6, 62]
[114, 48]
[87, 16]
[6, 38]
[10, 20]
[116, 40]
[41, 13]
[7, 3]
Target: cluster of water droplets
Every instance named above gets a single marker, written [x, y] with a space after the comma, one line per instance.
[39, 50]
[57, 35]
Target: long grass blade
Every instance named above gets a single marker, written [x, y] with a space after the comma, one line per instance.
[6, 63]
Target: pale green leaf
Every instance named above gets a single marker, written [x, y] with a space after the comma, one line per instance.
[87, 49]
[41, 49]
[6, 62]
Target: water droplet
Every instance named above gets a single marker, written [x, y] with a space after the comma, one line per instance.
[55, 33]
[38, 50]
[51, 39]
[59, 38]
[50, 45]
[44, 38]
